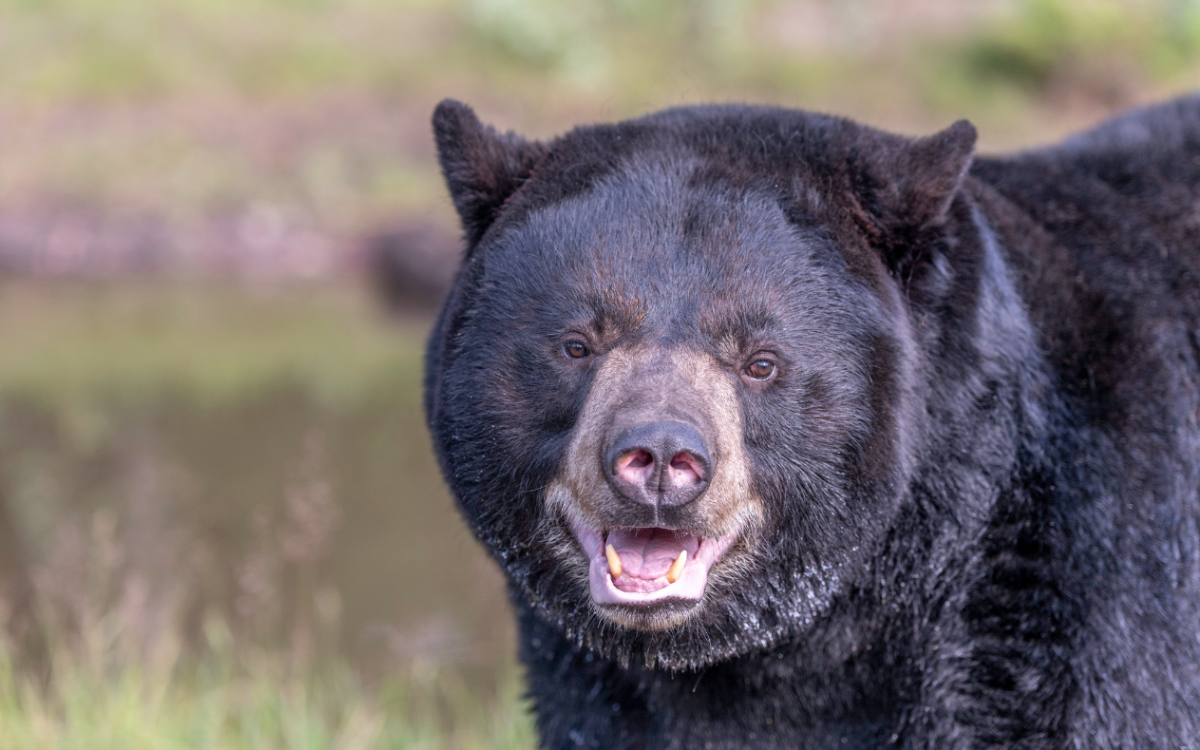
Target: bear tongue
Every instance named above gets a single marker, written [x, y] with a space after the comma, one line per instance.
[648, 553]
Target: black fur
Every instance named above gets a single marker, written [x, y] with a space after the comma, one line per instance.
[980, 462]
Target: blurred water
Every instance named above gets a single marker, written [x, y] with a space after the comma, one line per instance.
[316, 524]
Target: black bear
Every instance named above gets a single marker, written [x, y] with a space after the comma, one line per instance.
[792, 433]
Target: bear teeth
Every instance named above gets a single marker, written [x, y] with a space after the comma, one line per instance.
[676, 568]
[615, 568]
[614, 561]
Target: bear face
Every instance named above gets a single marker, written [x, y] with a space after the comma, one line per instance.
[676, 389]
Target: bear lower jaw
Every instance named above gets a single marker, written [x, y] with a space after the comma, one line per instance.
[663, 576]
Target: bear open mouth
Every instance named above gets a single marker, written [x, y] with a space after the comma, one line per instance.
[647, 565]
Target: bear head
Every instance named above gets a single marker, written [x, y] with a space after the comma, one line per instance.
[680, 387]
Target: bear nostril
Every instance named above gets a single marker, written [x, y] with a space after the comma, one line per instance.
[635, 467]
[685, 470]
[638, 459]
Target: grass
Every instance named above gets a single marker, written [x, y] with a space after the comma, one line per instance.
[102, 696]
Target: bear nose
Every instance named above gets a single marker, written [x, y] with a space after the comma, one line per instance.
[659, 464]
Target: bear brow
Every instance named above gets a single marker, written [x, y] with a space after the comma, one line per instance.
[611, 311]
[744, 326]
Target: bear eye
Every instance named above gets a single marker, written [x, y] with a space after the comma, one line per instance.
[760, 369]
[575, 350]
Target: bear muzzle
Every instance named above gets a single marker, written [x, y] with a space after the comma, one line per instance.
[655, 484]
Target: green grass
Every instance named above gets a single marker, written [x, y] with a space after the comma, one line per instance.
[100, 696]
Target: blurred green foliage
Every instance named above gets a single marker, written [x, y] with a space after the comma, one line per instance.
[1049, 37]
[191, 108]
[56, 50]
[1104, 48]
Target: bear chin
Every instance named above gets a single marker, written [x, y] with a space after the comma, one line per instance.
[661, 615]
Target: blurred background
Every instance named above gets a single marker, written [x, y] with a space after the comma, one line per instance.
[222, 239]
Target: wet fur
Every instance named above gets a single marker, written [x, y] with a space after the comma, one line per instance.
[978, 480]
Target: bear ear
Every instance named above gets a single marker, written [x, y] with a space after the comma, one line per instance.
[482, 167]
[915, 180]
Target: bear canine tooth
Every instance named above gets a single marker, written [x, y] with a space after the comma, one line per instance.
[676, 568]
[614, 561]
